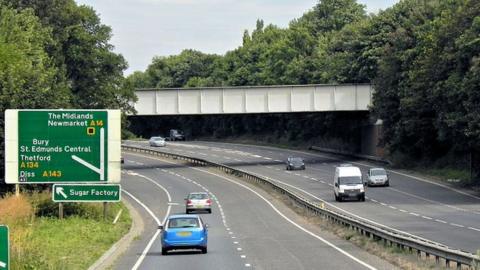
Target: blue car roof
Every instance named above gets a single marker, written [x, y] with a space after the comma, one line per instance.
[182, 216]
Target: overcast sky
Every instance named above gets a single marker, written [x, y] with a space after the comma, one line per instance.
[143, 29]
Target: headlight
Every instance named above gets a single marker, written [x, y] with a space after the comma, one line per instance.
[362, 189]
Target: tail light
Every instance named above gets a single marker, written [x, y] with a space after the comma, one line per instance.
[189, 202]
[209, 201]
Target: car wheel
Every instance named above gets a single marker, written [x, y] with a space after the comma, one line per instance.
[164, 251]
[362, 198]
[204, 250]
[336, 197]
[387, 184]
[187, 211]
[209, 211]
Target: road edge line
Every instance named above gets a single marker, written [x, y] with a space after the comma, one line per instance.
[112, 254]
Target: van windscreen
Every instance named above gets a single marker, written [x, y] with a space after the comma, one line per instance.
[350, 180]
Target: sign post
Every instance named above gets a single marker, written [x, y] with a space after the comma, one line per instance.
[86, 193]
[4, 248]
[58, 146]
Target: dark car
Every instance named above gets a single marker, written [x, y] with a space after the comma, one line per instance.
[176, 135]
[295, 163]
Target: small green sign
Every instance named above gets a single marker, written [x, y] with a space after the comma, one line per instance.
[86, 193]
[4, 248]
[57, 146]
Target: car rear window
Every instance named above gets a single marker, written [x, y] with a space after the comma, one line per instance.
[198, 196]
[378, 172]
[183, 223]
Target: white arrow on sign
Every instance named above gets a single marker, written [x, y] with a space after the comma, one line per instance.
[59, 191]
[100, 170]
[3, 265]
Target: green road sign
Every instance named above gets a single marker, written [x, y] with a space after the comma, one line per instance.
[51, 146]
[86, 193]
[4, 248]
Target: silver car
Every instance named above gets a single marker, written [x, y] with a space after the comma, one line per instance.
[378, 177]
[198, 201]
[157, 141]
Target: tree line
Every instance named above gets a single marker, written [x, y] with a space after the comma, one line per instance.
[56, 54]
[423, 56]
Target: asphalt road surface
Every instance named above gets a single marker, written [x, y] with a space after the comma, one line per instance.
[248, 229]
[413, 205]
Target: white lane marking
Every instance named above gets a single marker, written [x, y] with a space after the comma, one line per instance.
[415, 214]
[267, 158]
[257, 156]
[369, 166]
[475, 229]
[373, 200]
[282, 215]
[401, 210]
[425, 217]
[340, 209]
[276, 160]
[235, 242]
[384, 204]
[435, 202]
[243, 256]
[239, 249]
[150, 243]
[393, 207]
[292, 222]
[457, 225]
[247, 265]
[434, 183]
[441, 221]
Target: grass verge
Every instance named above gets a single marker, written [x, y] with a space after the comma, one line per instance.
[39, 240]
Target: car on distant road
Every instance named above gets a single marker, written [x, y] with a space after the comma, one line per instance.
[157, 141]
[198, 201]
[378, 177]
[176, 135]
[295, 163]
[184, 232]
[348, 184]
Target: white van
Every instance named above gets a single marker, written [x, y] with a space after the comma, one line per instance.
[348, 183]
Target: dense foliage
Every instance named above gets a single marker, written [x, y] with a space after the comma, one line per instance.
[56, 54]
[422, 56]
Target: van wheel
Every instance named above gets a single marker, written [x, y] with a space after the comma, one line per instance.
[204, 250]
[164, 251]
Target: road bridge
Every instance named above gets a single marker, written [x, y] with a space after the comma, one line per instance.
[254, 99]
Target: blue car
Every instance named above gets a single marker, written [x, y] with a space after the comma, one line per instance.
[184, 232]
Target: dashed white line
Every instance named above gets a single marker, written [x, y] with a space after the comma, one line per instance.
[415, 214]
[441, 221]
[393, 207]
[457, 225]
[475, 229]
[425, 217]
[401, 210]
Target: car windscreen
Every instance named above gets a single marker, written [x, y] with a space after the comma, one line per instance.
[296, 160]
[350, 180]
[183, 223]
[197, 196]
[378, 172]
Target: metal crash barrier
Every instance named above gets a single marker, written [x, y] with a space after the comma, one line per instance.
[378, 233]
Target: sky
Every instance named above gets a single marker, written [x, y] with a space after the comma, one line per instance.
[143, 29]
